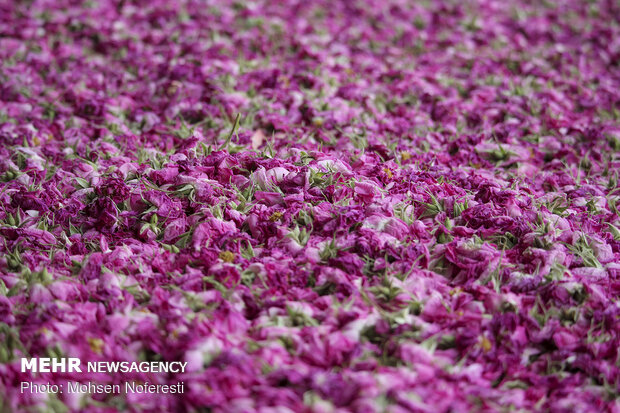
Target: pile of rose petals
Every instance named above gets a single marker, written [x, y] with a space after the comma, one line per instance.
[320, 206]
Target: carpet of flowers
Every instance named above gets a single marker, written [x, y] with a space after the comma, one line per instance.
[321, 206]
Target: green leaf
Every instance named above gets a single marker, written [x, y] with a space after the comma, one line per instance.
[582, 249]
[248, 252]
[614, 231]
[82, 182]
[232, 132]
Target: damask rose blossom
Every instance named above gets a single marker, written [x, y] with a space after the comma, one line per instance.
[319, 206]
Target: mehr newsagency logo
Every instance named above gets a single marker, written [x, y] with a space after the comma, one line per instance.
[75, 365]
